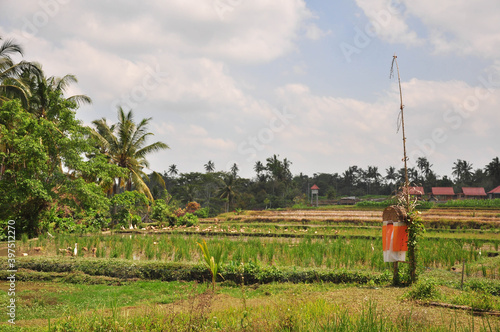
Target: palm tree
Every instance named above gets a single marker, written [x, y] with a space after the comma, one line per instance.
[47, 93]
[259, 168]
[189, 192]
[462, 170]
[372, 174]
[125, 145]
[11, 85]
[425, 168]
[209, 166]
[228, 190]
[234, 170]
[172, 170]
[493, 171]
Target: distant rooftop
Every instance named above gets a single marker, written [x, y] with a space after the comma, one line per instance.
[495, 191]
[416, 190]
[473, 191]
[443, 191]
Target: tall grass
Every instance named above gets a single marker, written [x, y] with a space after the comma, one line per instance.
[334, 253]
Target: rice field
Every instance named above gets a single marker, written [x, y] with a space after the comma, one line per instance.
[362, 253]
[318, 240]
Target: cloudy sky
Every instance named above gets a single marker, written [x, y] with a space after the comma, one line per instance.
[236, 81]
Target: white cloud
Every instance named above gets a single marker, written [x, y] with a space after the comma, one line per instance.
[467, 27]
[313, 32]
[388, 22]
[448, 26]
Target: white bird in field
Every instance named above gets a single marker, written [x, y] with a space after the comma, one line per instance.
[75, 251]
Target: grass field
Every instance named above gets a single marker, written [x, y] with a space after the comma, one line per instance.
[98, 290]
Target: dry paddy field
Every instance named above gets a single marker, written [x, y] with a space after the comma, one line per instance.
[442, 217]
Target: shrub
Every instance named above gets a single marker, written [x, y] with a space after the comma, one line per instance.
[127, 204]
[202, 213]
[187, 220]
[163, 212]
[423, 290]
[192, 207]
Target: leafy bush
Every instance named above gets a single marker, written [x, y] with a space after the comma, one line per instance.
[202, 213]
[163, 212]
[484, 285]
[423, 289]
[192, 207]
[476, 300]
[187, 220]
[126, 205]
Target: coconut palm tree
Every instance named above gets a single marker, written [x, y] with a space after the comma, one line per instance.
[10, 84]
[209, 167]
[228, 190]
[493, 171]
[172, 170]
[48, 92]
[462, 170]
[125, 145]
[234, 170]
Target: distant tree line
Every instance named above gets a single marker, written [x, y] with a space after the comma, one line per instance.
[273, 185]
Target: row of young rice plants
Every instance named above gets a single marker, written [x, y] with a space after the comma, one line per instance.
[339, 252]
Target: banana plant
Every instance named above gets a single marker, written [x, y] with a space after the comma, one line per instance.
[213, 263]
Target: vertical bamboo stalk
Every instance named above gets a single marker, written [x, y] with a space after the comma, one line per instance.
[405, 158]
[406, 186]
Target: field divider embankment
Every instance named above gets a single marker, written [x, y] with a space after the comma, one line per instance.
[173, 271]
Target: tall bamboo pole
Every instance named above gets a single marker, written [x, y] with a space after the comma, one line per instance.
[406, 186]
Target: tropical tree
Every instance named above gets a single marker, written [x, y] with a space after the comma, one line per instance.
[424, 166]
[259, 168]
[462, 170]
[40, 185]
[234, 170]
[172, 170]
[125, 145]
[46, 92]
[209, 167]
[372, 175]
[11, 85]
[350, 177]
[228, 190]
[391, 176]
[493, 171]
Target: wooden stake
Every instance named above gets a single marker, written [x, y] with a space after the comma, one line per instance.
[395, 274]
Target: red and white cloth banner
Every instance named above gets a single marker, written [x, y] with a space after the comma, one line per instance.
[394, 241]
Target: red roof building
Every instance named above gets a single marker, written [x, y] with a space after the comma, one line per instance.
[315, 187]
[473, 192]
[495, 193]
[416, 191]
[443, 193]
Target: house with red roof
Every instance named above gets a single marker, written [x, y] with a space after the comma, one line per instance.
[417, 192]
[443, 193]
[495, 193]
[473, 193]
